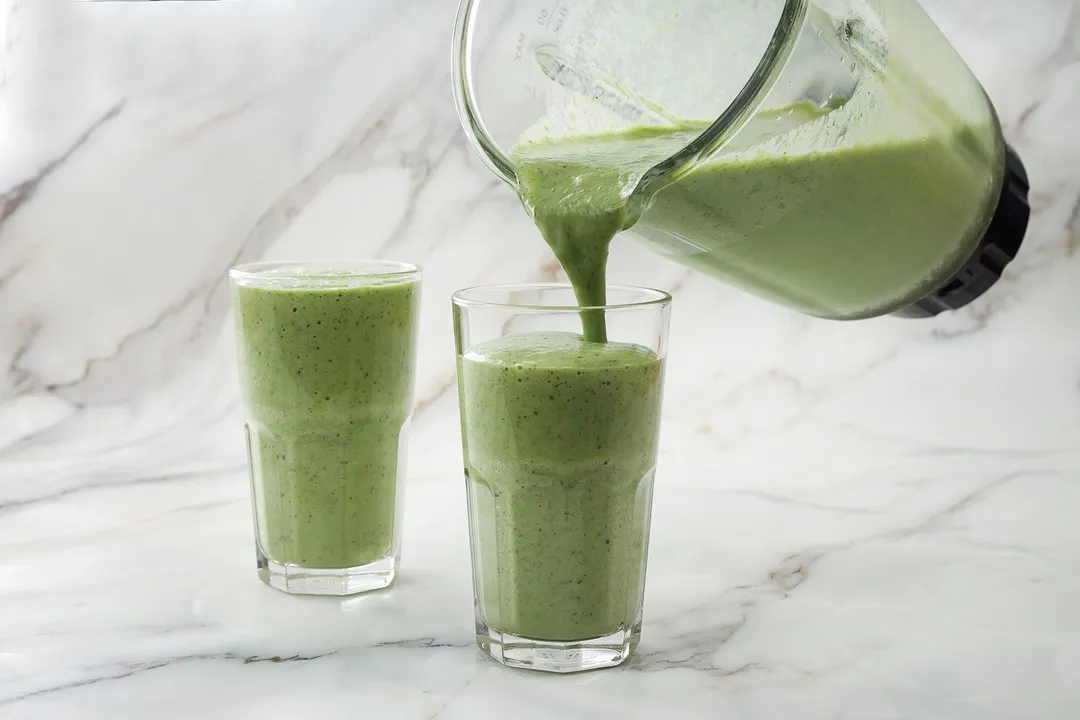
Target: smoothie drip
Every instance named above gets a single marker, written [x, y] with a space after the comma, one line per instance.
[577, 191]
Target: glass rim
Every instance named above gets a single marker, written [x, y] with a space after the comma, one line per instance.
[654, 298]
[272, 273]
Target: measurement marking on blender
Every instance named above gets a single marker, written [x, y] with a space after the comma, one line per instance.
[560, 19]
[546, 16]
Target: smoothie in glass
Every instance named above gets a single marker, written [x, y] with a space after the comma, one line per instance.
[326, 366]
[560, 438]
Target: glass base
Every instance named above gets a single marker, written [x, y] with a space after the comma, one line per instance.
[297, 580]
[558, 657]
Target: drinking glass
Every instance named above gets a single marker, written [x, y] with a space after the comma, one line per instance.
[326, 356]
[560, 444]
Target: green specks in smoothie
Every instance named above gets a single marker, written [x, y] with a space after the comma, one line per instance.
[327, 376]
[561, 440]
[851, 230]
[848, 232]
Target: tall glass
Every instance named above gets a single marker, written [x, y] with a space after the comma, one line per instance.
[326, 355]
[560, 443]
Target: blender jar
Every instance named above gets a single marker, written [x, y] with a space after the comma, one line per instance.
[847, 163]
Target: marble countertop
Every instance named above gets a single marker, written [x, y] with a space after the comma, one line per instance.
[868, 521]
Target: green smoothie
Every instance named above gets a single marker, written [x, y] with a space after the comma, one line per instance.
[853, 232]
[326, 369]
[860, 228]
[577, 194]
[560, 447]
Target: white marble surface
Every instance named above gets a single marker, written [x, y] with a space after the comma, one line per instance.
[871, 521]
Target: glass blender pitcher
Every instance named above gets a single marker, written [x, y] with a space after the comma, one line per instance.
[834, 156]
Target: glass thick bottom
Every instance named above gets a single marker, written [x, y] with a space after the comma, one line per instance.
[558, 657]
[297, 580]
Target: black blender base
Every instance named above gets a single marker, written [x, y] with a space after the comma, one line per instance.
[998, 248]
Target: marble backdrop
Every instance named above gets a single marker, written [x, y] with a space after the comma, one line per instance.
[871, 521]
